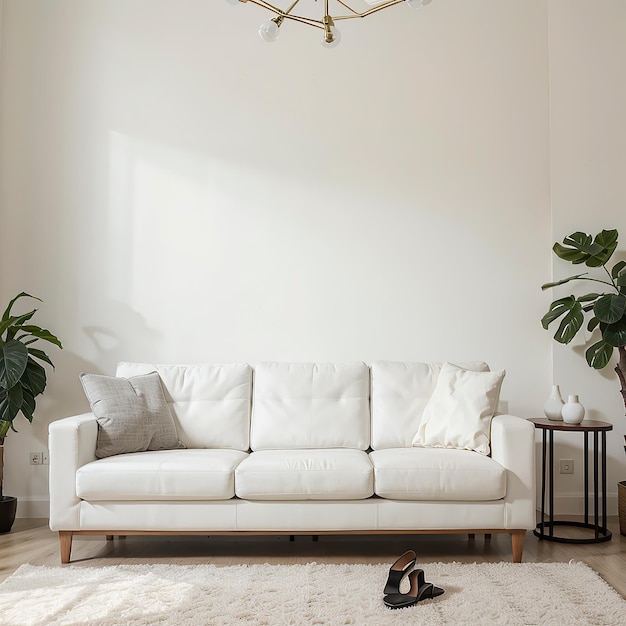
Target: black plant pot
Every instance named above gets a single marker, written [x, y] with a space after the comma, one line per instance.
[8, 508]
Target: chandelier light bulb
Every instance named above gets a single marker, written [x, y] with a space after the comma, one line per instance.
[269, 31]
[414, 4]
[334, 36]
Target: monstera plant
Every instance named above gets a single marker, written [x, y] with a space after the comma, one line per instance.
[22, 379]
[607, 309]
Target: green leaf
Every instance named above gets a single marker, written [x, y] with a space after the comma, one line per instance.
[13, 360]
[570, 325]
[593, 323]
[610, 308]
[599, 354]
[7, 313]
[589, 297]
[617, 268]
[41, 333]
[15, 324]
[39, 354]
[621, 280]
[615, 334]
[4, 426]
[581, 248]
[577, 249]
[11, 403]
[34, 377]
[561, 282]
[572, 321]
[607, 239]
[28, 405]
[557, 308]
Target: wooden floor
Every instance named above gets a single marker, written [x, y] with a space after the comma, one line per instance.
[30, 541]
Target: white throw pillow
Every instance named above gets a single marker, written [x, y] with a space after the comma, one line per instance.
[459, 413]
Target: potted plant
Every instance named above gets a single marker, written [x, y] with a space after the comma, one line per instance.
[607, 309]
[22, 379]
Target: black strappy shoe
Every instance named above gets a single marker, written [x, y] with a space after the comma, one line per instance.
[403, 565]
[420, 590]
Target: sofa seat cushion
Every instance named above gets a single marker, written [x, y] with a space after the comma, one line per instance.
[198, 474]
[437, 474]
[328, 474]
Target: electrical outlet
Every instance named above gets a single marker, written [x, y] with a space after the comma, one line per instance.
[44, 457]
[36, 458]
[566, 466]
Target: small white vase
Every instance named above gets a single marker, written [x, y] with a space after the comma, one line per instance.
[552, 408]
[573, 411]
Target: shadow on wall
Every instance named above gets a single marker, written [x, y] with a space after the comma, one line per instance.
[123, 336]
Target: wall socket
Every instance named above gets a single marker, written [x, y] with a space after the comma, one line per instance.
[566, 466]
[38, 458]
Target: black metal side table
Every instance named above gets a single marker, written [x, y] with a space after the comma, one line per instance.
[601, 532]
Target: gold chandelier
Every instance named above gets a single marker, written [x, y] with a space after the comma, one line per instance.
[270, 29]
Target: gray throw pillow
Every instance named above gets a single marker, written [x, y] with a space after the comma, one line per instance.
[132, 414]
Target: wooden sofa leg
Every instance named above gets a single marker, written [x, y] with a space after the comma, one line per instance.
[517, 545]
[65, 543]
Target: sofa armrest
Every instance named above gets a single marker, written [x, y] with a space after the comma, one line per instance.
[513, 446]
[72, 444]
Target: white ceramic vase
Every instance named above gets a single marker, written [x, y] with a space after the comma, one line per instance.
[573, 411]
[552, 408]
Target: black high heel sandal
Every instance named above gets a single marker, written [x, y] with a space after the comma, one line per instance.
[402, 566]
[420, 590]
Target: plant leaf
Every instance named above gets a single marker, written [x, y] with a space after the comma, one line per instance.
[41, 333]
[7, 312]
[16, 324]
[610, 308]
[11, 403]
[570, 324]
[561, 282]
[13, 360]
[615, 334]
[39, 354]
[593, 323]
[617, 268]
[557, 308]
[588, 297]
[581, 248]
[28, 405]
[607, 239]
[572, 321]
[599, 354]
[34, 377]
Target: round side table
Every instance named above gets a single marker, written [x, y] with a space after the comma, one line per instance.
[599, 430]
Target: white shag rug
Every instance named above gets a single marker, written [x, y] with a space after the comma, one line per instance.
[273, 595]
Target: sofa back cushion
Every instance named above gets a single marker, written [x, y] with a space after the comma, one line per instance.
[310, 405]
[210, 403]
[400, 392]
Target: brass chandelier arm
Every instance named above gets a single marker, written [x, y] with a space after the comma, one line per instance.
[365, 13]
[285, 14]
[320, 23]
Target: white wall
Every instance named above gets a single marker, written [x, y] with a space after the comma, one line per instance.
[588, 165]
[178, 191]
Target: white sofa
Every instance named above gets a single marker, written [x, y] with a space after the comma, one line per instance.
[293, 448]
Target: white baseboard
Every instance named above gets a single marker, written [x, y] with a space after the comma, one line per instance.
[33, 507]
